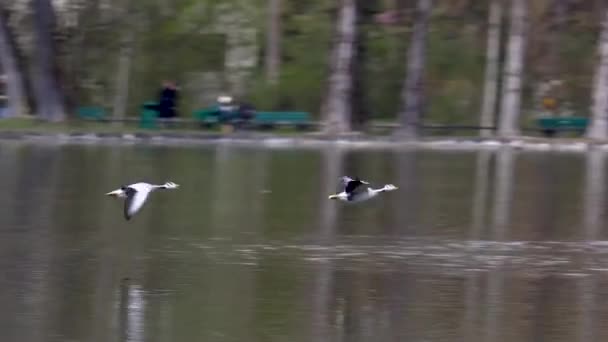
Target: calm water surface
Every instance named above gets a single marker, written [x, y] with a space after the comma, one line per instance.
[475, 246]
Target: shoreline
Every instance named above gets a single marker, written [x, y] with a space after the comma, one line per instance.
[355, 141]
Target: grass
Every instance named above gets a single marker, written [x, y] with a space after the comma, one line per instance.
[84, 126]
[32, 125]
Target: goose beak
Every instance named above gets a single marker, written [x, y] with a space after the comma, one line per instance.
[331, 197]
[114, 193]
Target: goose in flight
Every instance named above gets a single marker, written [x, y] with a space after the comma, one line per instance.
[135, 195]
[354, 191]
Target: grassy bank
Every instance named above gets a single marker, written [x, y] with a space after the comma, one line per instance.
[86, 126]
[191, 129]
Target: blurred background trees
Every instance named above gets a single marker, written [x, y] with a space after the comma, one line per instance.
[282, 54]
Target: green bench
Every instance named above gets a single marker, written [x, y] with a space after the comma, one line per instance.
[91, 113]
[206, 116]
[301, 120]
[551, 125]
[148, 116]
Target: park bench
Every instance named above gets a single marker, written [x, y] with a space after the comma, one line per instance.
[552, 125]
[148, 115]
[91, 113]
[300, 120]
[207, 117]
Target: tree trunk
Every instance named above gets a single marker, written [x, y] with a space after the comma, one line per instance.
[15, 81]
[273, 42]
[48, 93]
[121, 97]
[557, 24]
[490, 91]
[548, 88]
[599, 108]
[513, 72]
[359, 101]
[75, 67]
[412, 93]
[337, 109]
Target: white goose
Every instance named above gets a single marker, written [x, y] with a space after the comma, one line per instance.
[136, 195]
[354, 192]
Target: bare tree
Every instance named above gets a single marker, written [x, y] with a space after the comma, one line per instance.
[557, 22]
[513, 72]
[273, 41]
[490, 91]
[337, 109]
[360, 102]
[125, 57]
[49, 95]
[15, 80]
[412, 93]
[599, 108]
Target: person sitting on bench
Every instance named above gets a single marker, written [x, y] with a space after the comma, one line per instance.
[167, 101]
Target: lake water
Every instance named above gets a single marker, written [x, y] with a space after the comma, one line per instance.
[474, 246]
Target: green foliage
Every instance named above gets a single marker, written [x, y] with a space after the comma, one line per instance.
[455, 73]
[385, 70]
[305, 48]
[180, 39]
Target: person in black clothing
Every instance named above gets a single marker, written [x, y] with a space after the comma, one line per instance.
[246, 113]
[167, 100]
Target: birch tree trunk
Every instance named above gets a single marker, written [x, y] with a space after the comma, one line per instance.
[513, 72]
[599, 108]
[337, 108]
[48, 93]
[15, 81]
[412, 94]
[490, 91]
[273, 42]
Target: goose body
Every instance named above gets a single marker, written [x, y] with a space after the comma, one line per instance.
[136, 194]
[356, 190]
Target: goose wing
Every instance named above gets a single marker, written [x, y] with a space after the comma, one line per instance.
[350, 184]
[135, 200]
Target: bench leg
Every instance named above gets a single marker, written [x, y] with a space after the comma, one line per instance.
[549, 133]
[266, 127]
[302, 127]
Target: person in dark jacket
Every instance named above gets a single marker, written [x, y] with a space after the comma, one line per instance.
[167, 101]
[246, 113]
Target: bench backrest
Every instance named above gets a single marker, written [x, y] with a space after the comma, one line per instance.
[556, 122]
[91, 112]
[208, 115]
[288, 117]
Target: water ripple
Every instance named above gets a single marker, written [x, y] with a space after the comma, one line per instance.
[572, 259]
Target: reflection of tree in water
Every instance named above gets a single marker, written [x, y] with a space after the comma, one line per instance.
[223, 187]
[547, 175]
[372, 217]
[110, 255]
[23, 242]
[503, 193]
[407, 202]
[480, 194]
[366, 304]
[76, 230]
[33, 199]
[132, 306]
[323, 283]
[594, 200]
[234, 189]
[472, 303]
